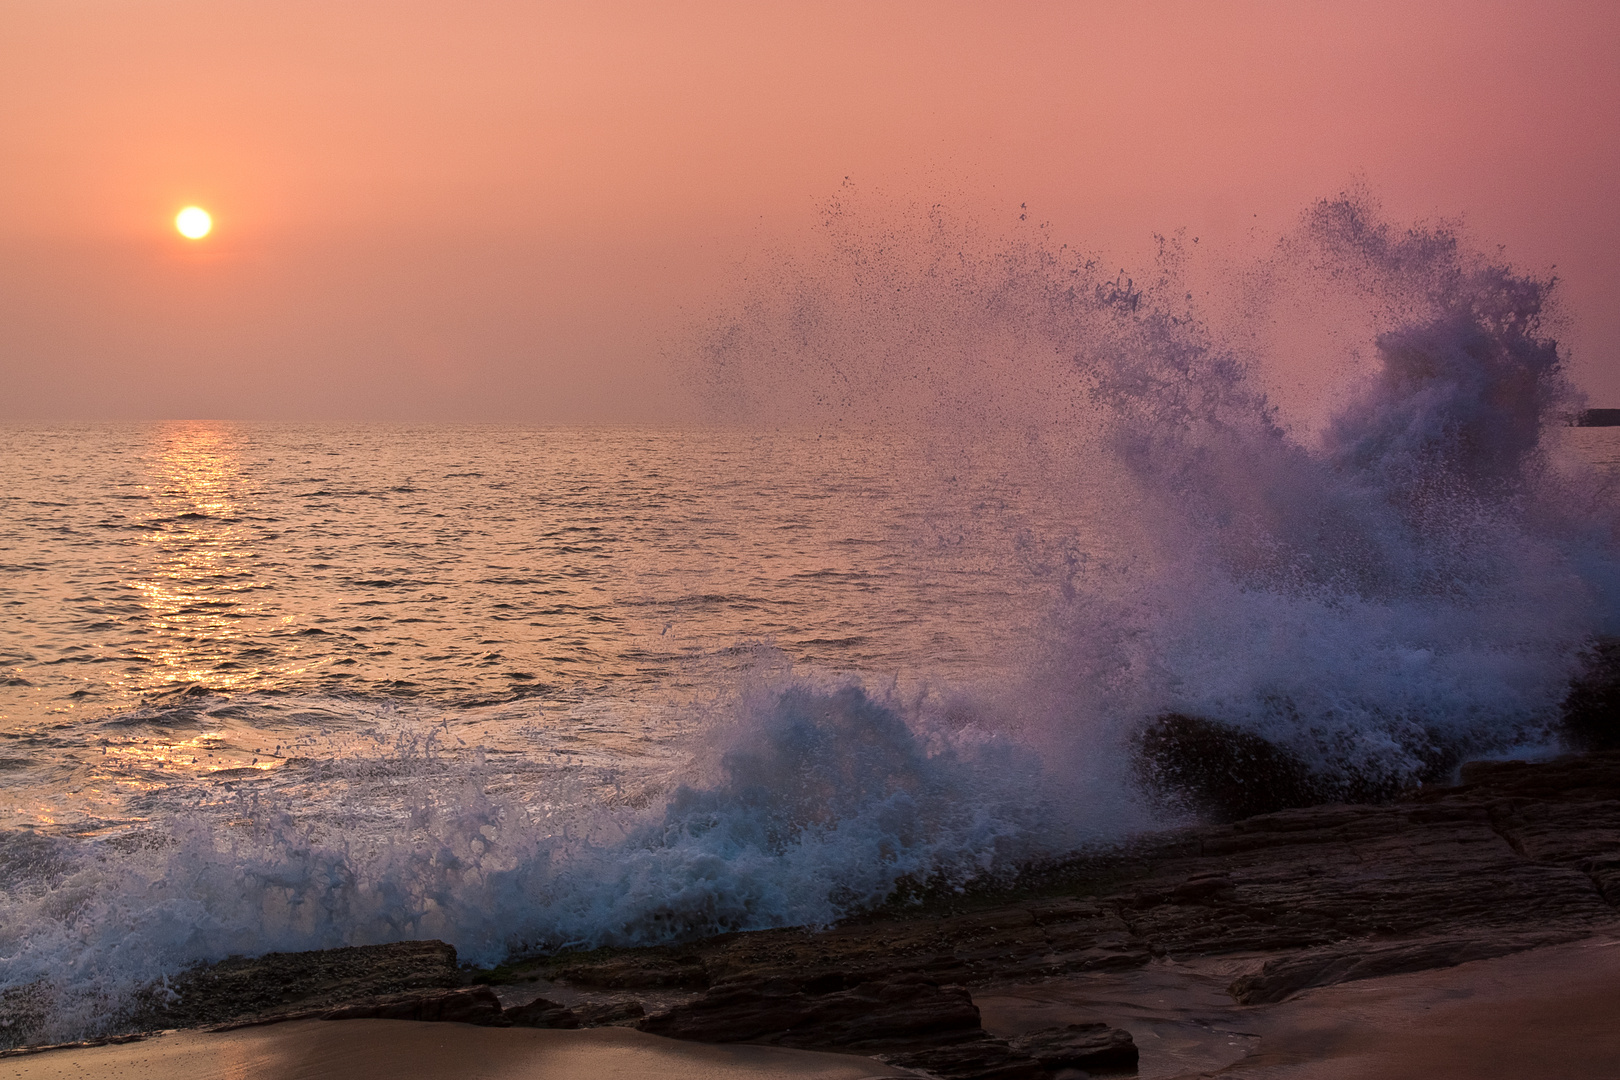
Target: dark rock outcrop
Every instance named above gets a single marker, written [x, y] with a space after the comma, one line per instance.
[1517, 853]
[1092, 1047]
[1220, 772]
[469, 1005]
[541, 1013]
[909, 1021]
[1046, 935]
[1592, 707]
[302, 982]
[778, 1010]
[81, 1044]
[605, 1013]
[646, 969]
[1597, 418]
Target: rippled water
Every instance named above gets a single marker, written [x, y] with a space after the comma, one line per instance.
[193, 605]
[186, 600]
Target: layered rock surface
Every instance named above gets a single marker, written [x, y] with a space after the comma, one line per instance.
[1516, 855]
[909, 1020]
[285, 983]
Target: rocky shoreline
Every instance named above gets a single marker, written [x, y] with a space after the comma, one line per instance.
[1515, 856]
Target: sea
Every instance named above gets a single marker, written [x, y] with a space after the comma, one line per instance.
[895, 613]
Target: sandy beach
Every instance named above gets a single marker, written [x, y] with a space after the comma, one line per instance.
[368, 1049]
[1547, 1013]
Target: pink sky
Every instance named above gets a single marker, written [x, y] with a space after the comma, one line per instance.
[500, 211]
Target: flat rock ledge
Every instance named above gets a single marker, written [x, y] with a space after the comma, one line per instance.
[472, 1005]
[1516, 856]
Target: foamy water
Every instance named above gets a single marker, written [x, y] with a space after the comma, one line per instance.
[281, 688]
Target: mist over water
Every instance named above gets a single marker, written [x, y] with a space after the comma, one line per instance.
[1384, 587]
[1093, 514]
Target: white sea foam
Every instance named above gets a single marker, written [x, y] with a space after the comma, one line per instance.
[822, 802]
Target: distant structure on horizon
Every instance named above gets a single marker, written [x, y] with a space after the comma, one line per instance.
[1598, 418]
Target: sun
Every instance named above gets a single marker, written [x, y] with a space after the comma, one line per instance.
[193, 222]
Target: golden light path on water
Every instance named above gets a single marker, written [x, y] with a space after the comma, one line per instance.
[202, 601]
[195, 584]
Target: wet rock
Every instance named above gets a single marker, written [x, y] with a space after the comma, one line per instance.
[1359, 879]
[1560, 813]
[980, 1058]
[1576, 778]
[541, 1013]
[285, 982]
[1093, 1047]
[780, 1012]
[1223, 773]
[1032, 939]
[1218, 771]
[605, 1013]
[1288, 975]
[908, 1021]
[746, 1010]
[1315, 887]
[1201, 888]
[1604, 872]
[1591, 712]
[638, 971]
[470, 1005]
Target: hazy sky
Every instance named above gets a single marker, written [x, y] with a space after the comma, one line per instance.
[503, 211]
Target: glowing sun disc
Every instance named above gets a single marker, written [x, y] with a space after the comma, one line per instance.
[193, 222]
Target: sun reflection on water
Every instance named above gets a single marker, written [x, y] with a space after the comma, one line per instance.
[197, 579]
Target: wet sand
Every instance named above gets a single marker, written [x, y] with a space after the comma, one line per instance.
[1547, 1014]
[397, 1049]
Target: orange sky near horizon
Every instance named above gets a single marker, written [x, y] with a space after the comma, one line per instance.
[501, 211]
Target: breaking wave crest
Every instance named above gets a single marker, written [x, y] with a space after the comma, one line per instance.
[823, 803]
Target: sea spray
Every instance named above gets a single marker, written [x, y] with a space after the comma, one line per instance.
[1382, 592]
[1412, 588]
[1373, 595]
